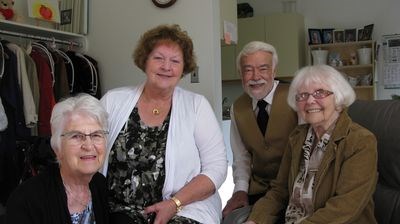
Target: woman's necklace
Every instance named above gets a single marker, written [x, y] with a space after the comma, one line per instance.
[156, 111]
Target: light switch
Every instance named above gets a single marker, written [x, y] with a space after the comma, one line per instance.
[194, 76]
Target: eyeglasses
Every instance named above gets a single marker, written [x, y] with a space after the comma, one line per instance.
[318, 94]
[78, 138]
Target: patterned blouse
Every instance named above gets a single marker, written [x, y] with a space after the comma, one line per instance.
[84, 217]
[136, 170]
[301, 202]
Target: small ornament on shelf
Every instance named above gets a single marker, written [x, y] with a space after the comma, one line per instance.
[353, 58]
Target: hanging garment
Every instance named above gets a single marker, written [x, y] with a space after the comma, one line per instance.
[12, 101]
[86, 74]
[3, 117]
[47, 101]
[69, 69]
[31, 117]
[11, 95]
[34, 83]
[61, 86]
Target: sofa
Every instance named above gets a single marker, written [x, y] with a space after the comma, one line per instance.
[382, 117]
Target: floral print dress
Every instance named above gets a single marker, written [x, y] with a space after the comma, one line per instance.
[136, 170]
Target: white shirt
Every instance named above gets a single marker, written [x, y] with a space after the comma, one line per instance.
[241, 157]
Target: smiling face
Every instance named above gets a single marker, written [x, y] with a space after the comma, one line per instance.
[320, 113]
[164, 66]
[82, 159]
[257, 74]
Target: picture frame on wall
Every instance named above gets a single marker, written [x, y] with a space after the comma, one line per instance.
[66, 17]
[367, 32]
[314, 36]
[360, 32]
[350, 35]
[327, 36]
[338, 36]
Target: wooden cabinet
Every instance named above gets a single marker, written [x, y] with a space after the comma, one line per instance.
[361, 76]
[228, 63]
[250, 29]
[285, 31]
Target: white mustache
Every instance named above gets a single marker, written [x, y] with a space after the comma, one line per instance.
[252, 82]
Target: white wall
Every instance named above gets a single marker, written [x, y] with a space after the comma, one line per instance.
[115, 28]
[342, 14]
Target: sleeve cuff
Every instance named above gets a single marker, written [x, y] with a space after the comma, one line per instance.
[241, 186]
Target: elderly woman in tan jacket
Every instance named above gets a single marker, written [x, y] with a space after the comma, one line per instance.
[329, 170]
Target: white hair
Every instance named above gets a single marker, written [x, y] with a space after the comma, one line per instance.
[322, 74]
[82, 103]
[253, 47]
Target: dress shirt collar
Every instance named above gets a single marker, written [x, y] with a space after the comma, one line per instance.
[268, 98]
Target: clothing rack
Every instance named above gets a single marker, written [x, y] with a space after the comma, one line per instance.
[36, 37]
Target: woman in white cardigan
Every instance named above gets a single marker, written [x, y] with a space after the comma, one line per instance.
[166, 155]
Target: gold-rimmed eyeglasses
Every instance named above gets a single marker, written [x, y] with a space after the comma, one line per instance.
[318, 94]
[78, 138]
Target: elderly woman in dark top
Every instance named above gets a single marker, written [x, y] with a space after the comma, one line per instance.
[167, 157]
[71, 191]
[329, 169]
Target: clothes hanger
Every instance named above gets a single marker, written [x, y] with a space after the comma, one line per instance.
[2, 60]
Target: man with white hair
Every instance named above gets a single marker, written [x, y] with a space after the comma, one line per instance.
[261, 124]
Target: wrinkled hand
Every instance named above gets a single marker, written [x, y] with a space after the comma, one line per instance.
[238, 199]
[164, 211]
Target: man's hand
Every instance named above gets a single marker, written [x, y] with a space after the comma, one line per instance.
[238, 199]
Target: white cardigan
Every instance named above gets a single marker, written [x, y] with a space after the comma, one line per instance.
[195, 145]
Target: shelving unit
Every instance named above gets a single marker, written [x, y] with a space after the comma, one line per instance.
[364, 91]
[10, 28]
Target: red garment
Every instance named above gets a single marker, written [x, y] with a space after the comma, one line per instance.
[46, 100]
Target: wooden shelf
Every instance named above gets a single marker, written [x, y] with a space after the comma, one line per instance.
[343, 44]
[348, 67]
[346, 50]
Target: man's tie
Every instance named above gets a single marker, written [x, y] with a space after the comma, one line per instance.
[262, 116]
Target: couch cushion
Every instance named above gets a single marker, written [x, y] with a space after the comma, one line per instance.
[382, 117]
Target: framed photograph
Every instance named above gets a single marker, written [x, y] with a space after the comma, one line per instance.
[350, 35]
[315, 36]
[327, 36]
[66, 17]
[360, 32]
[367, 32]
[338, 36]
